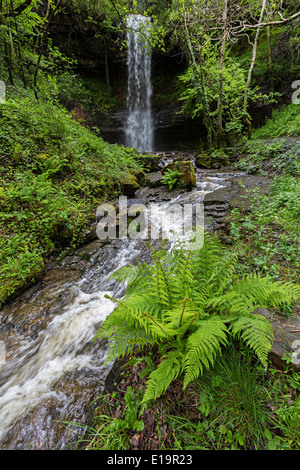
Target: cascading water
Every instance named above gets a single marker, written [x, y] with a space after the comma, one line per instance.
[54, 375]
[139, 125]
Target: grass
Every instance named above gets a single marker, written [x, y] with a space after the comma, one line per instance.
[236, 406]
[285, 121]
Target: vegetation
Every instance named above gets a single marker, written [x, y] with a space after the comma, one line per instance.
[53, 175]
[190, 304]
[197, 373]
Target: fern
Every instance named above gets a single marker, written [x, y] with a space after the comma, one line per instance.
[190, 303]
[160, 379]
[202, 347]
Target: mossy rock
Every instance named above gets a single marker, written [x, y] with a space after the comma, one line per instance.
[129, 185]
[217, 159]
[187, 177]
[12, 287]
[149, 162]
[203, 160]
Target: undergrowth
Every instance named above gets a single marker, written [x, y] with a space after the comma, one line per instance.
[54, 172]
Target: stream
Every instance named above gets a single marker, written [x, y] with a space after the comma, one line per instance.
[53, 370]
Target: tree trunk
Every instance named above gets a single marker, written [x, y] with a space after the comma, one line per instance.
[270, 61]
[221, 64]
[254, 52]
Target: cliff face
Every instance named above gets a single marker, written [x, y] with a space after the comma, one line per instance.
[99, 57]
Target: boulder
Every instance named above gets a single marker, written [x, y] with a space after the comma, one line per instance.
[187, 177]
[154, 180]
[203, 160]
[129, 185]
[217, 159]
[149, 162]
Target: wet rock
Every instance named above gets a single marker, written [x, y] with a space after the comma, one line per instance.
[129, 185]
[150, 162]
[154, 180]
[71, 399]
[186, 168]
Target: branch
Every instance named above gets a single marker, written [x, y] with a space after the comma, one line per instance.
[273, 23]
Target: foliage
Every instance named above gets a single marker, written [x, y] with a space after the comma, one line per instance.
[190, 304]
[232, 405]
[284, 122]
[54, 173]
[171, 177]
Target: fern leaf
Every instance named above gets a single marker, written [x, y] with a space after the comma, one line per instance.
[257, 332]
[202, 347]
[160, 379]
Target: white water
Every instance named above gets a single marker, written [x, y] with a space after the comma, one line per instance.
[56, 351]
[139, 125]
[28, 377]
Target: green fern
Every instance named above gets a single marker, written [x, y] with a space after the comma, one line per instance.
[190, 303]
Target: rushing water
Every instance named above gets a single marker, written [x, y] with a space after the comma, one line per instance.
[139, 125]
[59, 349]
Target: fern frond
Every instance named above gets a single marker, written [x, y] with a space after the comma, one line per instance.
[202, 347]
[160, 379]
[257, 332]
[124, 340]
[182, 314]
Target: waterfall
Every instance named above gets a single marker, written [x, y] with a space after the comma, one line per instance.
[139, 125]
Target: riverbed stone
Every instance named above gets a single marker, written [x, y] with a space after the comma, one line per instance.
[186, 168]
[154, 179]
[129, 185]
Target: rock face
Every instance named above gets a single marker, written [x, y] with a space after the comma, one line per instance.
[238, 194]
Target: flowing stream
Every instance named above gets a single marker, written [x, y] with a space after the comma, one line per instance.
[139, 125]
[54, 368]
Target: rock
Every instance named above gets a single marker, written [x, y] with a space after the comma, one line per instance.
[187, 177]
[149, 162]
[129, 185]
[286, 338]
[217, 159]
[239, 193]
[154, 180]
[203, 160]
